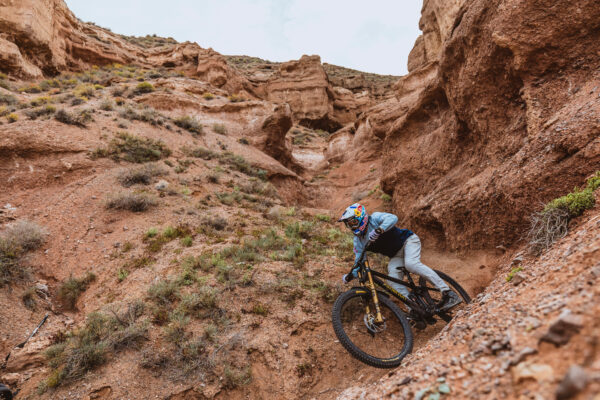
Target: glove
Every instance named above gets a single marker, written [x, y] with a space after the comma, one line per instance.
[347, 278]
[374, 235]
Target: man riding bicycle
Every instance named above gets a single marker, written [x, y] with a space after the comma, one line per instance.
[378, 232]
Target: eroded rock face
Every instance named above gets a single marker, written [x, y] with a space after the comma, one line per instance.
[485, 140]
[304, 86]
[437, 18]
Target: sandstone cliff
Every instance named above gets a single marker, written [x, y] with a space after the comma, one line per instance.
[512, 82]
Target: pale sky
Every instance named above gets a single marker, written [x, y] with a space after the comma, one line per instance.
[371, 36]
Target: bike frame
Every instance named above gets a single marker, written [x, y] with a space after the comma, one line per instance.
[369, 279]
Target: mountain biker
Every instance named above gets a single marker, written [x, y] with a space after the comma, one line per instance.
[401, 245]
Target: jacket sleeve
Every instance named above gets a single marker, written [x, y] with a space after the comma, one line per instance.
[385, 221]
[358, 248]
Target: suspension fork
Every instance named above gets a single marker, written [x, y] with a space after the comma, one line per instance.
[371, 286]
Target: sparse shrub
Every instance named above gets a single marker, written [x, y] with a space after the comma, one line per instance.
[199, 152]
[323, 218]
[12, 118]
[175, 330]
[187, 241]
[260, 309]
[8, 99]
[386, 197]
[122, 274]
[31, 89]
[119, 101]
[89, 346]
[136, 202]
[28, 298]
[263, 189]
[240, 164]
[208, 96]
[140, 175]
[210, 332]
[150, 233]
[164, 292]
[40, 101]
[189, 124]
[236, 98]
[512, 273]
[38, 112]
[236, 377]
[86, 91]
[78, 101]
[71, 289]
[133, 149]
[243, 141]
[144, 87]
[552, 222]
[81, 119]
[18, 239]
[220, 129]
[106, 105]
[3, 111]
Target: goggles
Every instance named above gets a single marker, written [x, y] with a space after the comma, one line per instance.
[352, 223]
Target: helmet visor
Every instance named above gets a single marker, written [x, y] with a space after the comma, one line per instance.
[352, 223]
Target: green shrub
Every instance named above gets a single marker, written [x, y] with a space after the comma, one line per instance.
[31, 89]
[189, 124]
[136, 202]
[140, 175]
[122, 274]
[575, 202]
[512, 273]
[144, 87]
[127, 147]
[552, 222]
[208, 96]
[236, 98]
[164, 292]
[71, 289]
[240, 164]
[386, 197]
[12, 118]
[260, 309]
[187, 241]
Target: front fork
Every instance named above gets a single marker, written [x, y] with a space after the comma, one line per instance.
[371, 286]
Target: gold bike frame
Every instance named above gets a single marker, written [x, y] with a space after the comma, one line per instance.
[371, 286]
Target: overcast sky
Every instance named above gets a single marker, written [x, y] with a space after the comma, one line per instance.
[372, 36]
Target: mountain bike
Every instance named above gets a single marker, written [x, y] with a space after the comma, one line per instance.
[373, 329]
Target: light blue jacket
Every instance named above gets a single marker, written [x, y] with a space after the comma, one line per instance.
[382, 220]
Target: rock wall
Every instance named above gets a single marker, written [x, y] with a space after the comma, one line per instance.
[505, 119]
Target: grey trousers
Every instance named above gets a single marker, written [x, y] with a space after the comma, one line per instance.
[410, 257]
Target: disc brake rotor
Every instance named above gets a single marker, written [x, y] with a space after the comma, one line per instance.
[373, 326]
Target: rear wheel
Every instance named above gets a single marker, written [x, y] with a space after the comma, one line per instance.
[379, 345]
[433, 296]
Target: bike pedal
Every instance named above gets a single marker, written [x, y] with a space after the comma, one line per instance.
[418, 325]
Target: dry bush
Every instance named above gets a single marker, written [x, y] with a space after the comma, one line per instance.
[90, 346]
[72, 288]
[135, 202]
[127, 147]
[142, 175]
[189, 124]
[80, 119]
[18, 239]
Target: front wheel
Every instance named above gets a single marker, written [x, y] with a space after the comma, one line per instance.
[379, 345]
